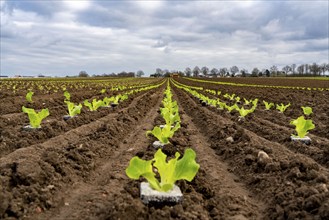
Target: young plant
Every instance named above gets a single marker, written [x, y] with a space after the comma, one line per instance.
[230, 108]
[67, 96]
[246, 101]
[282, 107]
[221, 105]
[103, 91]
[244, 112]
[307, 110]
[170, 116]
[94, 105]
[165, 133]
[73, 109]
[29, 96]
[302, 126]
[268, 105]
[237, 99]
[175, 169]
[35, 117]
[108, 100]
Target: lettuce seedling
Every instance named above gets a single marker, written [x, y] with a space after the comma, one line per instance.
[246, 101]
[230, 108]
[73, 109]
[282, 107]
[165, 133]
[268, 105]
[169, 116]
[67, 96]
[175, 169]
[94, 105]
[34, 117]
[108, 100]
[243, 112]
[237, 99]
[302, 126]
[221, 105]
[103, 91]
[307, 110]
[29, 96]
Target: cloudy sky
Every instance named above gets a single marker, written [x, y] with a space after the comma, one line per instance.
[64, 37]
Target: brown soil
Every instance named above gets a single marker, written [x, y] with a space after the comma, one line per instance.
[76, 169]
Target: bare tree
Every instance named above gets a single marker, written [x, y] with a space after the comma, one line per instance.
[300, 69]
[274, 70]
[158, 72]
[83, 74]
[223, 71]
[196, 71]
[255, 72]
[234, 70]
[307, 68]
[188, 72]
[243, 72]
[293, 67]
[323, 68]
[286, 69]
[140, 73]
[214, 72]
[205, 71]
[315, 69]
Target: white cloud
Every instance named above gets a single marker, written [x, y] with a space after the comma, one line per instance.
[76, 5]
[112, 36]
[149, 6]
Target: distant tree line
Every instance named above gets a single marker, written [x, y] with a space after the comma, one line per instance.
[288, 70]
[139, 73]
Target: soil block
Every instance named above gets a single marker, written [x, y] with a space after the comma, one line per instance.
[151, 196]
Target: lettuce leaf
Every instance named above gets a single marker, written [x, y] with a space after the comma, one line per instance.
[34, 117]
[302, 126]
[307, 110]
[175, 169]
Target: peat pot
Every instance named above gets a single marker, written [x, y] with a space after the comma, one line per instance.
[306, 139]
[151, 196]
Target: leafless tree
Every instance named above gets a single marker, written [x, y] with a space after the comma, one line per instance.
[196, 71]
[140, 73]
[205, 70]
[188, 72]
[300, 69]
[214, 72]
[234, 70]
[223, 71]
[255, 72]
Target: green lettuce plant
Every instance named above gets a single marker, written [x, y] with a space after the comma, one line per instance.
[246, 101]
[268, 105]
[67, 96]
[307, 110]
[230, 108]
[302, 126]
[94, 105]
[170, 117]
[108, 100]
[29, 96]
[282, 108]
[175, 169]
[35, 117]
[163, 134]
[244, 112]
[73, 109]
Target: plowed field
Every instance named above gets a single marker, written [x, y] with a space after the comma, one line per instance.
[75, 169]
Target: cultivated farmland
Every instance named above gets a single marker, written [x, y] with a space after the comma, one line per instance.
[249, 167]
